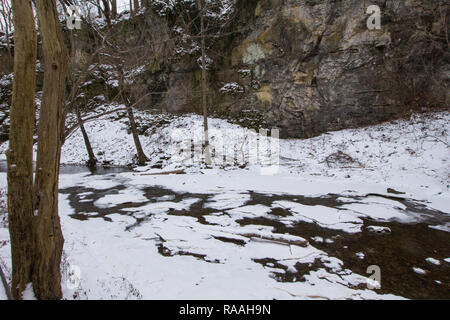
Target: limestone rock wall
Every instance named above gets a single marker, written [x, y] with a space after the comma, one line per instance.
[304, 66]
[310, 66]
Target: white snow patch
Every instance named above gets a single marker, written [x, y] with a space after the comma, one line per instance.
[28, 293]
[419, 270]
[324, 216]
[134, 196]
[433, 261]
[228, 200]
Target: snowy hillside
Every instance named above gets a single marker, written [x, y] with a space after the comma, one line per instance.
[409, 152]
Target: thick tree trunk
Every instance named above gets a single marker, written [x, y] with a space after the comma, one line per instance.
[206, 147]
[48, 235]
[136, 6]
[92, 159]
[20, 153]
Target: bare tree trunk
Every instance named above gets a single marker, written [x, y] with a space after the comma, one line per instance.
[142, 159]
[70, 130]
[99, 9]
[48, 235]
[70, 101]
[107, 11]
[92, 159]
[206, 149]
[8, 42]
[7, 29]
[20, 153]
[114, 8]
[136, 6]
[144, 4]
[6, 14]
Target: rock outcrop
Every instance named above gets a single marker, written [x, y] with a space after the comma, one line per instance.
[304, 66]
[310, 66]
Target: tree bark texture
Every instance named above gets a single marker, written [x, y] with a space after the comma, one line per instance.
[20, 153]
[47, 229]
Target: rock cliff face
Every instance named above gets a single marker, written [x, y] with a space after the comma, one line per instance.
[304, 66]
[310, 66]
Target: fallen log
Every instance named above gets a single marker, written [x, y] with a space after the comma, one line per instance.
[275, 238]
[286, 239]
[181, 171]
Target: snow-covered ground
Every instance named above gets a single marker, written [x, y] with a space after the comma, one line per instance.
[234, 233]
[168, 256]
[409, 155]
[401, 153]
[414, 152]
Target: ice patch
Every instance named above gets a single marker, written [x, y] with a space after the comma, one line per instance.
[444, 227]
[324, 216]
[360, 255]
[227, 201]
[419, 270]
[111, 200]
[378, 212]
[433, 261]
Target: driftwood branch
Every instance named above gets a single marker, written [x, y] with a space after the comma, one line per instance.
[181, 171]
[275, 238]
[271, 237]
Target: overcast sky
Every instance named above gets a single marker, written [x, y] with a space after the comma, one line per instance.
[121, 6]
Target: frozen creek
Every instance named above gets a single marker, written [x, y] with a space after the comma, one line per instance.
[309, 232]
[212, 236]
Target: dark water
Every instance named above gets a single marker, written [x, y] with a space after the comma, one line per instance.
[396, 253]
[74, 168]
